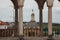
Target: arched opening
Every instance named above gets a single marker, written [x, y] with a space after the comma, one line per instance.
[7, 11]
[7, 15]
[45, 20]
[27, 10]
[11, 6]
[30, 5]
[39, 8]
[56, 18]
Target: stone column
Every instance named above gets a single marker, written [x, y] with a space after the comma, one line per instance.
[20, 20]
[50, 20]
[16, 16]
[40, 5]
[16, 22]
[41, 22]
[50, 4]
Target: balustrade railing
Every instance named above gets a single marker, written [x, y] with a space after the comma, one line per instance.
[6, 32]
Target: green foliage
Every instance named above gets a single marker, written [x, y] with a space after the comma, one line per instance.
[56, 28]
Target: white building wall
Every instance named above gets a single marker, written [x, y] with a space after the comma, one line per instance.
[3, 27]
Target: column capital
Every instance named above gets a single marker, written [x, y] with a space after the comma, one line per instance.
[49, 20]
[50, 3]
[20, 3]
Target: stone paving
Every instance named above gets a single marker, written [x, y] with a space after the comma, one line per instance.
[9, 38]
[28, 38]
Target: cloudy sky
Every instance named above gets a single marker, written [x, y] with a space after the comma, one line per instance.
[7, 11]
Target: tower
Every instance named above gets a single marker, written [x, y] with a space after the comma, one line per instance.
[32, 16]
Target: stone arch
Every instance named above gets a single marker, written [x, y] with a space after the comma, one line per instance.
[40, 6]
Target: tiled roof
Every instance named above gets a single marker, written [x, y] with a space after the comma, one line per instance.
[31, 24]
[2, 23]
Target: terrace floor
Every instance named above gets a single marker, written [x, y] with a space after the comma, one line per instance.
[28, 38]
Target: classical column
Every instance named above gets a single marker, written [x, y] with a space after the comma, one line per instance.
[50, 20]
[16, 16]
[50, 4]
[20, 18]
[41, 22]
[16, 22]
[40, 5]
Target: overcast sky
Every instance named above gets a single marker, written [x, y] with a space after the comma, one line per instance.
[7, 11]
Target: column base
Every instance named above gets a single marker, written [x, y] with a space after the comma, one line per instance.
[50, 37]
[21, 37]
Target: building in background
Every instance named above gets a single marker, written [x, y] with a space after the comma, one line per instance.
[31, 29]
[6, 25]
[3, 25]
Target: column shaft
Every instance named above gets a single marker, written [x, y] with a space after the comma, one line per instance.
[20, 28]
[16, 22]
[41, 22]
[49, 20]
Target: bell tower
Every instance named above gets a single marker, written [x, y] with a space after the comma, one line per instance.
[32, 16]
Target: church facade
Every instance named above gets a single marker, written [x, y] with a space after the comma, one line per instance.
[31, 29]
